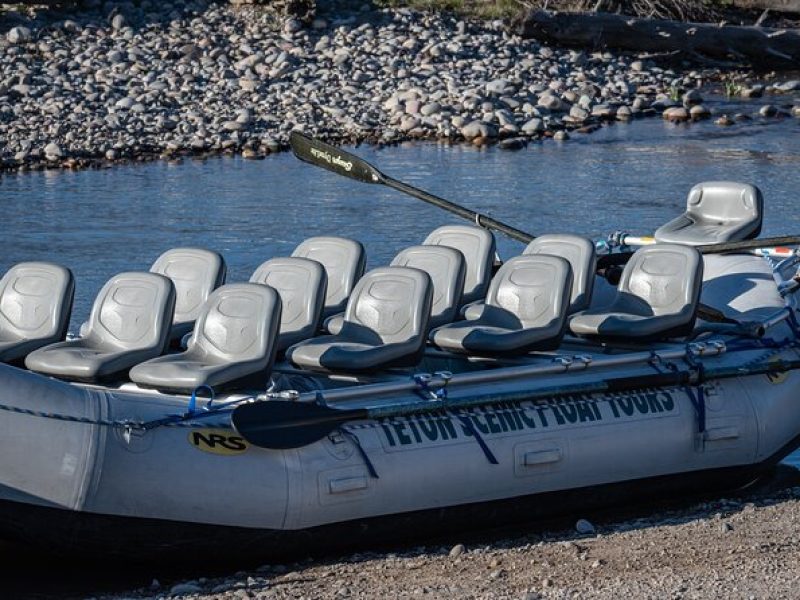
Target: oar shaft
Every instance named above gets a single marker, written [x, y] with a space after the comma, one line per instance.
[470, 215]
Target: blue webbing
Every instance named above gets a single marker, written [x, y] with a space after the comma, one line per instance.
[441, 395]
[360, 449]
[698, 400]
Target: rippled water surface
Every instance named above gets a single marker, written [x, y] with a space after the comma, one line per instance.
[632, 177]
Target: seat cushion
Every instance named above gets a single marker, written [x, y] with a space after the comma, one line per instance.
[333, 353]
[179, 373]
[81, 360]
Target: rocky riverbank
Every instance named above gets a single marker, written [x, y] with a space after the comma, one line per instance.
[125, 81]
[741, 547]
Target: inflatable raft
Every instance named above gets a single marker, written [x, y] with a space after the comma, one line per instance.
[192, 417]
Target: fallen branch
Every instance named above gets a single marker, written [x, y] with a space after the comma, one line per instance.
[760, 47]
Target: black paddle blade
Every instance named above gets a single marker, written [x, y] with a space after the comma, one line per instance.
[334, 159]
[280, 424]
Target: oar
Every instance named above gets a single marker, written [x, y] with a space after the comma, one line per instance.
[343, 163]
[620, 258]
[280, 424]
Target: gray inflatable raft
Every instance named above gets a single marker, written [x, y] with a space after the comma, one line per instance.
[128, 470]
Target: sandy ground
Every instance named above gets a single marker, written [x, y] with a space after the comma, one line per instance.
[747, 546]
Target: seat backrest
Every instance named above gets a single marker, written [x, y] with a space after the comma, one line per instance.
[344, 261]
[36, 301]
[534, 289]
[390, 304]
[239, 323]
[133, 311]
[478, 247]
[445, 266]
[301, 284]
[580, 254]
[668, 277]
[726, 202]
[196, 273]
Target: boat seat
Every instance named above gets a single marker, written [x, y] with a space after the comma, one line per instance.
[301, 284]
[384, 325]
[344, 261]
[233, 344]
[656, 297]
[129, 323]
[35, 305]
[716, 212]
[526, 309]
[446, 268]
[478, 247]
[579, 252]
[196, 273]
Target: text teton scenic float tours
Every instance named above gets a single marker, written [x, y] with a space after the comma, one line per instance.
[524, 416]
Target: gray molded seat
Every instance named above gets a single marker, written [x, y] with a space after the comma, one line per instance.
[301, 284]
[129, 323]
[233, 344]
[344, 261]
[446, 268]
[478, 247]
[196, 273]
[526, 309]
[35, 304]
[716, 212]
[656, 297]
[384, 326]
[579, 252]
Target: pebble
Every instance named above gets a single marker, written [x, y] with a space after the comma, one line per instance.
[676, 114]
[584, 527]
[457, 551]
[18, 35]
[768, 110]
[182, 589]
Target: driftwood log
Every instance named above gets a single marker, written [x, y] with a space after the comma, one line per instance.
[757, 46]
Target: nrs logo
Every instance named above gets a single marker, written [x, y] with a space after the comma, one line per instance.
[217, 441]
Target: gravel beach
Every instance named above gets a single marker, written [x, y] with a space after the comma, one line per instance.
[745, 546]
[125, 81]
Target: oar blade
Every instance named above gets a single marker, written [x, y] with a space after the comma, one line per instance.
[280, 424]
[333, 159]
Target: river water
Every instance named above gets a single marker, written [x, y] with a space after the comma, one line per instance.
[630, 177]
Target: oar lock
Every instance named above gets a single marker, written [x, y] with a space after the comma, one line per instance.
[433, 384]
[584, 360]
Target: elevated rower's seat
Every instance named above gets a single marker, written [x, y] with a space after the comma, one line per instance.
[478, 247]
[657, 297]
[196, 273]
[526, 309]
[384, 325]
[35, 304]
[716, 212]
[446, 268]
[233, 344]
[129, 323]
[301, 284]
[344, 261]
